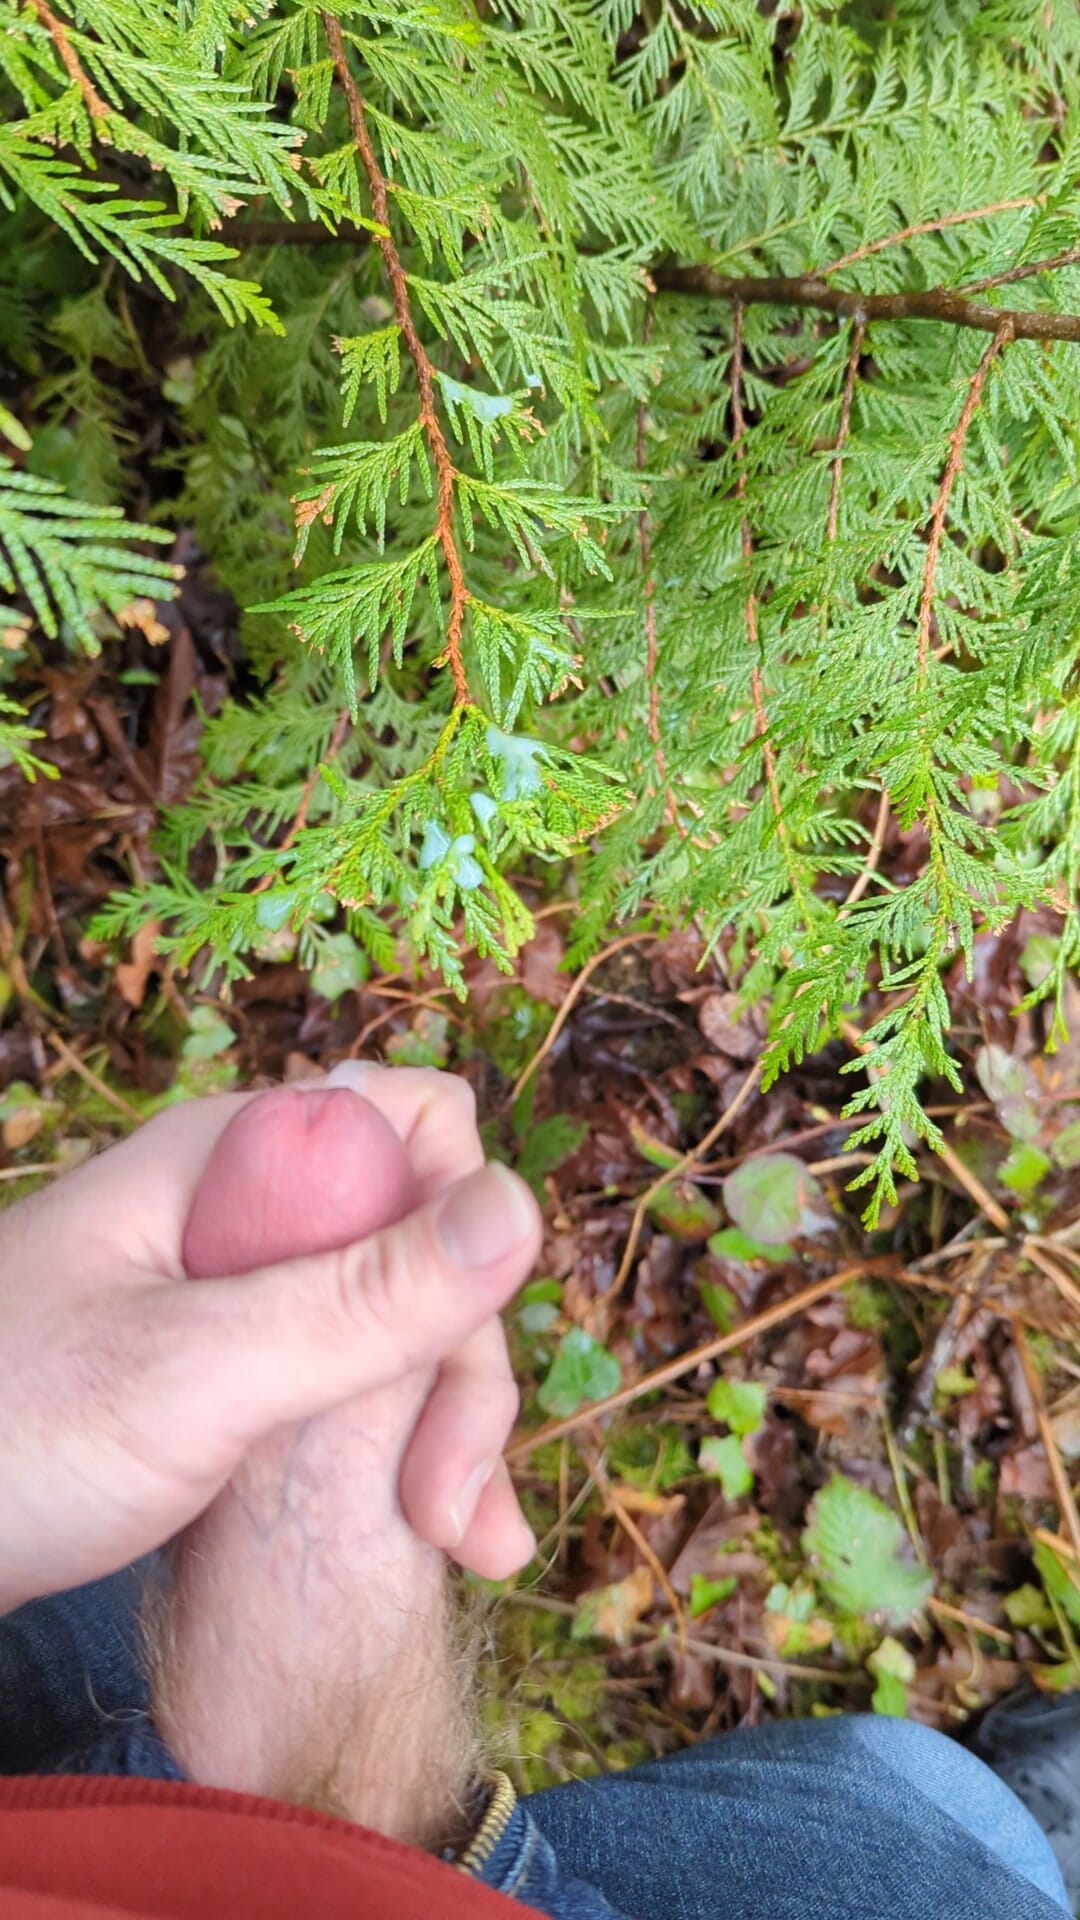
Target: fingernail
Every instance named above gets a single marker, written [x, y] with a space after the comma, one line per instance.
[526, 1540]
[464, 1505]
[349, 1073]
[486, 1217]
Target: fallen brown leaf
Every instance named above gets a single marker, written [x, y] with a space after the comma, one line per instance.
[132, 975]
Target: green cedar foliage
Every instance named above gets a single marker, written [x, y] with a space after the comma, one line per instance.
[548, 549]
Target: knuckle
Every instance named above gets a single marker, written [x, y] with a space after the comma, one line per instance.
[368, 1286]
[459, 1094]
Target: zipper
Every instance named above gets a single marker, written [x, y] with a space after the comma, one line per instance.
[500, 1807]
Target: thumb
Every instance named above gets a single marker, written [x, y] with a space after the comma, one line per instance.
[286, 1342]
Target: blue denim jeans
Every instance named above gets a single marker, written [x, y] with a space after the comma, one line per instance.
[839, 1819]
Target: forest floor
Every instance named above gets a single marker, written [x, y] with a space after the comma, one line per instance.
[777, 1464]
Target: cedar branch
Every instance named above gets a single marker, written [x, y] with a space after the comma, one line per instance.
[1029, 271]
[953, 466]
[652, 650]
[858, 335]
[445, 471]
[757, 684]
[299, 822]
[931, 226]
[813, 290]
[96, 107]
[873, 855]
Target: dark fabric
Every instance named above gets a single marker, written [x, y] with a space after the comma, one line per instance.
[839, 1819]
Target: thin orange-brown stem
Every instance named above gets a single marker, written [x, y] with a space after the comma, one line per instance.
[1063, 1492]
[445, 471]
[629, 1525]
[683, 1168]
[383, 1019]
[684, 1363]
[576, 989]
[300, 817]
[975, 1189]
[72, 1063]
[96, 107]
[648, 580]
[333, 748]
[873, 854]
[953, 466]
[930, 226]
[757, 683]
[1029, 271]
[1034, 1250]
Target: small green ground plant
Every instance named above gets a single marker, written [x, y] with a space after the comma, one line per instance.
[637, 437]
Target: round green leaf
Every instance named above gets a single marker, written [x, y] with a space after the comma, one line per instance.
[774, 1198]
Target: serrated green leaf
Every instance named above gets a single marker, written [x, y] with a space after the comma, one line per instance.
[740, 1404]
[720, 1304]
[340, 966]
[706, 1594]
[207, 1035]
[859, 1550]
[725, 1460]
[582, 1370]
[1024, 1168]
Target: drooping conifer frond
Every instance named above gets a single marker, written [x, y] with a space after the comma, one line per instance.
[636, 437]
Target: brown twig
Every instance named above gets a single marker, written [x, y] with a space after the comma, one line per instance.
[686, 1165]
[706, 1649]
[953, 466]
[72, 1062]
[576, 989]
[299, 821]
[648, 1553]
[333, 748]
[873, 857]
[761, 1663]
[56, 931]
[1027, 272]
[942, 1352]
[970, 1621]
[652, 651]
[1066, 1499]
[96, 107]
[811, 290]
[445, 471]
[35, 1167]
[974, 1189]
[383, 1019]
[757, 684]
[527, 1443]
[1033, 1249]
[931, 226]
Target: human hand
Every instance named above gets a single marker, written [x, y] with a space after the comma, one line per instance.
[132, 1392]
[313, 1166]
